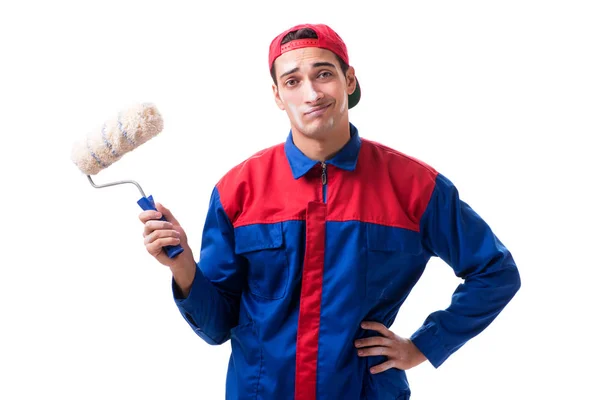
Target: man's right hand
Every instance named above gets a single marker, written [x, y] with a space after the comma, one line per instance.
[158, 234]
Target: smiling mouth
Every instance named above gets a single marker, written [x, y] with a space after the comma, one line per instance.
[317, 109]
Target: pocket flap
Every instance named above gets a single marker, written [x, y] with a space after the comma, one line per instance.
[258, 237]
[387, 238]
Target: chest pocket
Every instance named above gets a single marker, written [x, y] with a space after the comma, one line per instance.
[263, 247]
[394, 259]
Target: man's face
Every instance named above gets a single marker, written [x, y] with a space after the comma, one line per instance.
[312, 90]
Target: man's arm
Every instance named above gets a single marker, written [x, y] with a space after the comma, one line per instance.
[452, 231]
[208, 294]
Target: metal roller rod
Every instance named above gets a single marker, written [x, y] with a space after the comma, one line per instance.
[116, 183]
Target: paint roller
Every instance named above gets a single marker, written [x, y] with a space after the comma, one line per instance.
[99, 149]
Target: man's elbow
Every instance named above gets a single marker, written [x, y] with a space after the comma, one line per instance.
[511, 277]
[515, 280]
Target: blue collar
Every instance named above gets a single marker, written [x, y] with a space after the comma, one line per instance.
[346, 158]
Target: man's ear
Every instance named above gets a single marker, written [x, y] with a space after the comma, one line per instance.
[277, 97]
[350, 80]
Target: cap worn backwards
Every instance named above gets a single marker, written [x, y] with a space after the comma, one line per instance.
[327, 39]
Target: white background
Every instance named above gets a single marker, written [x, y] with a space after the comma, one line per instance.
[501, 97]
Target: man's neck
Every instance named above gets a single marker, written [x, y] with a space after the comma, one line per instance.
[322, 150]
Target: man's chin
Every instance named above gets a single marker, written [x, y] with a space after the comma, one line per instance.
[318, 129]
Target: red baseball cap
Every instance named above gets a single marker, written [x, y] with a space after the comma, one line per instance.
[327, 39]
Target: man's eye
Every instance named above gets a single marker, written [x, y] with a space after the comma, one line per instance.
[325, 74]
[290, 82]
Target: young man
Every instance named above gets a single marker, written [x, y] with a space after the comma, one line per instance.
[311, 246]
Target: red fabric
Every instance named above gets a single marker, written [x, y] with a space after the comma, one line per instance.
[307, 344]
[372, 197]
[328, 39]
[262, 190]
[361, 195]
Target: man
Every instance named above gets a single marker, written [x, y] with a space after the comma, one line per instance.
[311, 246]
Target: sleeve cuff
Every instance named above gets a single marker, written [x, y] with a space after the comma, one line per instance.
[429, 344]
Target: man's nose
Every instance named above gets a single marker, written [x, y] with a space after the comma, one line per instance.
[311, 92]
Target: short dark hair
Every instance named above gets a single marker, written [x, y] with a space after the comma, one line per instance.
[305, 33]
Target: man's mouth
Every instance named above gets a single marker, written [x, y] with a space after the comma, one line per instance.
[317, 110]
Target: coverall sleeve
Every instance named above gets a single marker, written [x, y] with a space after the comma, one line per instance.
[213, 303]
[454, 232]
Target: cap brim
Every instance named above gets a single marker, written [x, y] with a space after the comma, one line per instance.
[354, 97]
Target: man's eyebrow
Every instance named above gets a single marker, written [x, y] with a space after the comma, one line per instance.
[323, 64]
[291, 71]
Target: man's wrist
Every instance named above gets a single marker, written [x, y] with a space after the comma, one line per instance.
[183, 276]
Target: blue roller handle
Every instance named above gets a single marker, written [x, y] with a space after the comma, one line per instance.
[147, 203]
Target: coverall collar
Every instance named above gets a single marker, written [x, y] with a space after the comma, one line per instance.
[346, 158]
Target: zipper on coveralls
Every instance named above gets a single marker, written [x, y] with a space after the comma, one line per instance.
[324, 180]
